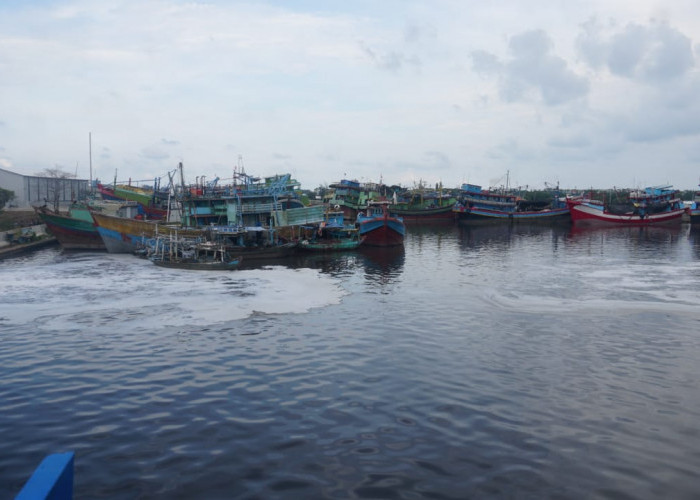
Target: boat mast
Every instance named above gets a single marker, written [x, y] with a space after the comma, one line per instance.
[90, 150]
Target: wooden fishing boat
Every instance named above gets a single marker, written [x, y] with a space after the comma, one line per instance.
[74, 230]
[651, 206]
[198, 265]
[268, 252]
[351, 197]
[331, 245]
[476, 205]
[331, 235]
[153, 203]
[177, 252]
[378, 227]
[423, 205]
[123, 235]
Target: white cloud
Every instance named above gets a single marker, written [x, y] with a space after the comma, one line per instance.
[649, 52]
[532, 67]
[435, 91]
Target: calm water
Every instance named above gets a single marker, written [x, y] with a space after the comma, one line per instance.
[486, 362]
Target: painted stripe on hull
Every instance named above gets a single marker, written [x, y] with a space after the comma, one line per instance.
[71, 233]
[122, 235]
[75, 239]
[583, 215]
[117, 242]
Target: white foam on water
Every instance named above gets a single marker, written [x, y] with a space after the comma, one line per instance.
[103, 290]
[664, 289]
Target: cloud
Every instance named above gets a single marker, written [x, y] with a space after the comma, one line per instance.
[485, 63]
[154, 153]
[657, 81]
[658, 122]
[532, 68]
[438, 159]
[577, 141]
[416, 32]
[169, 142]
[105, 153]
[650, 53]
[392, 61]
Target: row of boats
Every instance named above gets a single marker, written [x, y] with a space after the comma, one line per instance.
[217, 227]
[473, 204]
[207, 226]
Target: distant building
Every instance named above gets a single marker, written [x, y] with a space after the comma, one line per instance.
[33, 190]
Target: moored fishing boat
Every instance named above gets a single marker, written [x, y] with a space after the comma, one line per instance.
[424, 205]
[331, 235]
[199, 265]
[124, 235]
[192, 254]
[153, 202]
[652, 205]
[478, 205]
[378, 227]
[75, 229]
[352, 197]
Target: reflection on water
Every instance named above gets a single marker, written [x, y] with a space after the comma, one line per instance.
[631, 243]
[498, 237]
[486, 362]
[654, 234]
[337, 264]
[382, 266]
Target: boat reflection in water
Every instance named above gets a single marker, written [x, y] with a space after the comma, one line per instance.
[499, 237]
[652, 235]
[336, 264]
[383, 266]
[693, 236]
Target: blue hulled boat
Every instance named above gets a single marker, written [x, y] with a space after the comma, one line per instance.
[379, 228]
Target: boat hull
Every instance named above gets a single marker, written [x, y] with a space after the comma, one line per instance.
[121, 235]
[382, 232]
[439, 214]
[330, 246]
[199, 266]
[694, 215]
[72, 233]
[144, 201]
[481, 215]
[252, 254]
[585, 215]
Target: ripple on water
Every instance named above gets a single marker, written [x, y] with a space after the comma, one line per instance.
[504, 365]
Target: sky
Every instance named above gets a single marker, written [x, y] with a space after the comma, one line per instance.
[594, 93]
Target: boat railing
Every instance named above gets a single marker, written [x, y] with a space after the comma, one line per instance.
[259, 208]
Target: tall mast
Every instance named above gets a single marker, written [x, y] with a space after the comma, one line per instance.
[90, 149]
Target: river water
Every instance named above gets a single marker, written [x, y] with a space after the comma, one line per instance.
[488, 362]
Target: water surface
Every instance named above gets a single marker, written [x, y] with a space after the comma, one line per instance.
[504, 362]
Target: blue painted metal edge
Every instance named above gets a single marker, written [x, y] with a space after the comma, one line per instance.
[52, 479]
